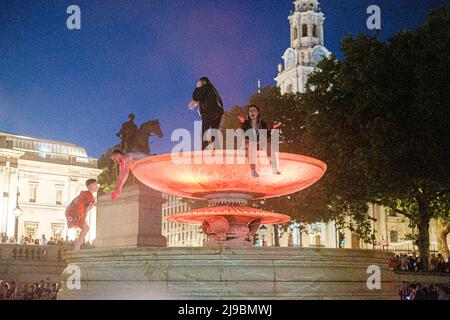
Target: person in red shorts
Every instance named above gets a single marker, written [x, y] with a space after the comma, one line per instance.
[77, 211]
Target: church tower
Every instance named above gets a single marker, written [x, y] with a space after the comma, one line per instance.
[306, 49]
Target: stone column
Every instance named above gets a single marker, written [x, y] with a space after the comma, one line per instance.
[132, 220]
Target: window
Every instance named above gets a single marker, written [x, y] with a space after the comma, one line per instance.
[289, 88]
[304, 30]
[59, 193]
[33, 192]
[295, 33]
[393, 236]
[31, 229]
[57, 231]
[314, 30]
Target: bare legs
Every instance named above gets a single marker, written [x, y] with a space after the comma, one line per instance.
[252, 160]
[80, 239]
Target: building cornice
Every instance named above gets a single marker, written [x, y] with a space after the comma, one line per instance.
[11, 153]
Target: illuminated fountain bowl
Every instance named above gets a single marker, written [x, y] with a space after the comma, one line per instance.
[224, 179]
[197, 216]
[232, 226]
[198, 180]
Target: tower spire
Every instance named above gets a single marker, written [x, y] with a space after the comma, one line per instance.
[305, 5]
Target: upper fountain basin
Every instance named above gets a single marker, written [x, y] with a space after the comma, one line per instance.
[194, 175]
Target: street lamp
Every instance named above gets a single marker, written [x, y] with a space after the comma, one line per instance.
[17, 213]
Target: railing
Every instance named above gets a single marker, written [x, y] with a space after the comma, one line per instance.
[17, 252]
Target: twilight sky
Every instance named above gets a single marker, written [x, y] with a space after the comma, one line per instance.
[144, 56]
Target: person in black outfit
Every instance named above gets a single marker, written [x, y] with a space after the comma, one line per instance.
[254, 123]
[211, 106]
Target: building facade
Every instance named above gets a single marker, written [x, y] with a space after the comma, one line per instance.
[40, 177]
[306, 48]
[177, 234]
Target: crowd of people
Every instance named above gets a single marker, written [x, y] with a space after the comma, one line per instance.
[42, 290]
[411, 263]
[25, 240]
[417, 291]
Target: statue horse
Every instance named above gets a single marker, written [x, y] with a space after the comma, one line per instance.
[145, 131]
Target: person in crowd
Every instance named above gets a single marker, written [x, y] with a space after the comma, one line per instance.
[54, 292]
[39, 288]
[18, 294]
[443, 293]
[403, 292]
[11, 288]
[31, 294]
[432, 266]
[2, 289]
[43, 241]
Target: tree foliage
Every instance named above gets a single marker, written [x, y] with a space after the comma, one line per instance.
[379, 119]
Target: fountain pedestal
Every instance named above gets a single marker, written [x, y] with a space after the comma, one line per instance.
[133, 220]
[225, 273]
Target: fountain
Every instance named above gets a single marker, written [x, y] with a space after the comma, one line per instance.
[131, 260]
[228, 186]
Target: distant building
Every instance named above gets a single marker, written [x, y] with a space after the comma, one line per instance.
[177, 234]
[306, 48]
[46, 175]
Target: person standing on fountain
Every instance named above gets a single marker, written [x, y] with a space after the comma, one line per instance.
[255, 124]
[77, 211]
[211, 106]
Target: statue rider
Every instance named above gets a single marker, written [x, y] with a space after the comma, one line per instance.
[128, 134]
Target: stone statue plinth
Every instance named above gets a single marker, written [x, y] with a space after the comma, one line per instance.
[132, 220]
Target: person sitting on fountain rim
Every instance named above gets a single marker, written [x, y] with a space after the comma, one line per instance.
[77, 211]
[255, 123]
[124, 160]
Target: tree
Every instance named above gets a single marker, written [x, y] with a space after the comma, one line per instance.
[379, 120]
[320, 201]
[107, 179]
[394, 97]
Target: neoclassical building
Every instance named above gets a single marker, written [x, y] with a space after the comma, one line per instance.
[306, 48]
[41, 177]
[177, 234]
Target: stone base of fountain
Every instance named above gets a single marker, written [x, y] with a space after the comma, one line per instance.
[223, 273]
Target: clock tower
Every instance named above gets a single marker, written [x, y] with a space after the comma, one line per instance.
[306, 49]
